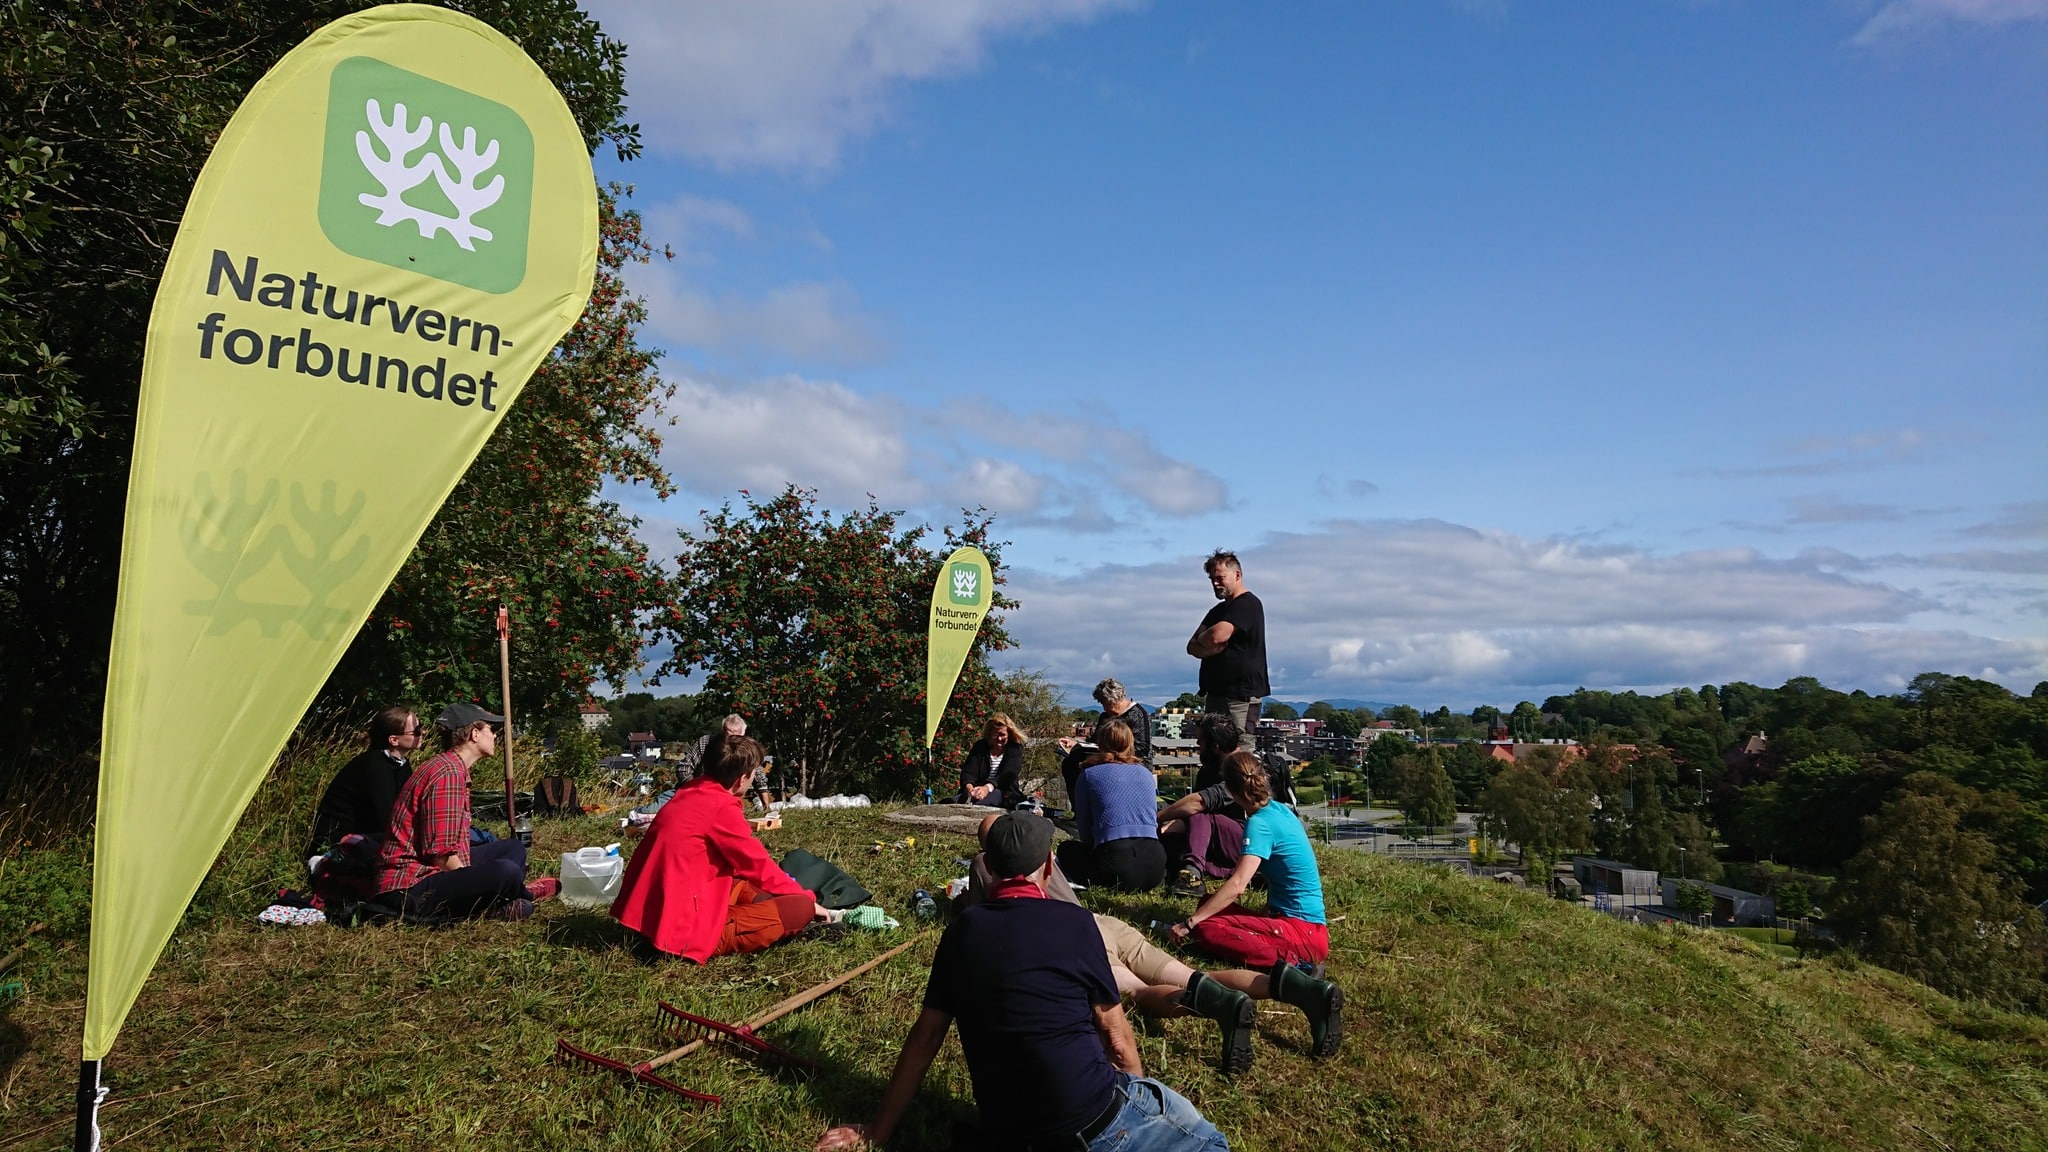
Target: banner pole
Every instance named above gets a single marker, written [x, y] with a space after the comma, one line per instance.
[505, 697]
[86, 1136]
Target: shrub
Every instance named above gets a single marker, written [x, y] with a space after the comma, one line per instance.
[1308, 795]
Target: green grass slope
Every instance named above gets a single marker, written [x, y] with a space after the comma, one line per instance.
[1479, 1016]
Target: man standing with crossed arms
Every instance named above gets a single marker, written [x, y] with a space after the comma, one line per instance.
[1231, 644]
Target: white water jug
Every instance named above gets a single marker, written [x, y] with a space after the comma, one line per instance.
[590, 877]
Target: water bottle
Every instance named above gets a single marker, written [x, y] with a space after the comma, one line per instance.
[923, 906]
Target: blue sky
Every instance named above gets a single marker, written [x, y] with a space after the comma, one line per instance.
[1513, 346]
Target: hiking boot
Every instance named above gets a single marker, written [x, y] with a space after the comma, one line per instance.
[1320, 1000]
[512, 910]
[544, 889]
[1189, 881]
[1234, 1014]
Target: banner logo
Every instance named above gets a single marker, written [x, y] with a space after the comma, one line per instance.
[426, 177]
[966, 584]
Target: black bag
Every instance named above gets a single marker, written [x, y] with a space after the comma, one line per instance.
[556, 796]
[835, 888]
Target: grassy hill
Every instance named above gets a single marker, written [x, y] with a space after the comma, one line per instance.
[1480, 1016]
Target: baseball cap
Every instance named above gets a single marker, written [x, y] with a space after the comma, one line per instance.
[1017, 844]
[463, 715]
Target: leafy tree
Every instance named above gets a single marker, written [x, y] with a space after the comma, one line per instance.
[1338, 721]
[1403, 716]
[1278, 710]
[1426, 797]
[576, 753]
[815, 629]
[1383, 762]
[1925, 896]
[1470, 769]
[1029, 697]
[112, 108]
[1543, 807]
[1190, 700]
[672, 719]
[1793, 901]
[1696, 899]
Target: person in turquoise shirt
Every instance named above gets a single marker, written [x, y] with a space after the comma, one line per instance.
[1291, 931]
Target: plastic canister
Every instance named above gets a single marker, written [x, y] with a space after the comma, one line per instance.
[590, 877]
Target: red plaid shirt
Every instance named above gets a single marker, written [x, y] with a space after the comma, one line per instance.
[429, 823]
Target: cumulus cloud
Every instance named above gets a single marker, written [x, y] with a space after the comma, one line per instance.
[1907, 19]
[1432, 612]
[819, 322]
[787, 83]
[1032, 468]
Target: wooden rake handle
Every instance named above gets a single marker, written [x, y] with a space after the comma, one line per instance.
[778, 1011]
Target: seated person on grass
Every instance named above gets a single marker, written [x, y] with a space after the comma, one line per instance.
[1203, 831]
[428, 862]
[989, 775]
[1292, 929]
[700, 885]
[1050, 1055]
[358, 799]
[1165, 988]
[1116, 817]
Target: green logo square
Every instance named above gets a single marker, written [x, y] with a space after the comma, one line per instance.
[425, 177]
[964, 584]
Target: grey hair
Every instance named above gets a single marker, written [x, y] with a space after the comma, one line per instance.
[1109, 692]
[735, 724]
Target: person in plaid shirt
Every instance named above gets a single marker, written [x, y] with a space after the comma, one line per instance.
[428, 859]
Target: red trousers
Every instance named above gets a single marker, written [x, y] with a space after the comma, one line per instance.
[1258, 940]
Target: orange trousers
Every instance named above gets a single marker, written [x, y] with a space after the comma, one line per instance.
[755, 920]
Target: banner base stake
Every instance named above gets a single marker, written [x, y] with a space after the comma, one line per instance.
[86, 1137]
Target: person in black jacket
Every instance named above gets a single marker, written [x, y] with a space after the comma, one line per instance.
[359, 797]
[989, 774]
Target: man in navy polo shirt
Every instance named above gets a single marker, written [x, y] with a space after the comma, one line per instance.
[1051, 1056]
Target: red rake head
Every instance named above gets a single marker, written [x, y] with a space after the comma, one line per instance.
[564, 1048]
[689, 1025]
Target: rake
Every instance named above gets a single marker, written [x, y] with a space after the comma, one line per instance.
[703, 1030]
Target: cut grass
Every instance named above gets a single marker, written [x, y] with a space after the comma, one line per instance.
[1478, 1016]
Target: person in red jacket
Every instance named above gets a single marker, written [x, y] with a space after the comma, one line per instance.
[700, 885]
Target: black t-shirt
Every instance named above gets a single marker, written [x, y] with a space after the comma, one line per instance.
[1023, 977]
[1239, 671]
[358, 800]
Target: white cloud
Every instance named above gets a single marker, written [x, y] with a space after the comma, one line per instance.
[1033, 468]
[809, 321]
[786, 83]
[1434, 612]
[1905, 19]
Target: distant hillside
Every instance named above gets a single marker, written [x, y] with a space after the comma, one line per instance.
[1342, 702]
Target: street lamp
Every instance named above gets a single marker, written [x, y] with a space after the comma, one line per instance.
[1681, 863]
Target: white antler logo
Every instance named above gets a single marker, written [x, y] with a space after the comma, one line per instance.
[964, 580]
[398, 177]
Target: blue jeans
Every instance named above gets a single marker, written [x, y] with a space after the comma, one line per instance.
[1155, 1118]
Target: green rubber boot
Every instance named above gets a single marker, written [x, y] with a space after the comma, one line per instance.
[1320, 1000]
[1233, 1012]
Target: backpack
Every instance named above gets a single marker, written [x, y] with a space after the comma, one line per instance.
[556, 796]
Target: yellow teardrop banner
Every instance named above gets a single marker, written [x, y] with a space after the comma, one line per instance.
[960, 599]
[395, 228]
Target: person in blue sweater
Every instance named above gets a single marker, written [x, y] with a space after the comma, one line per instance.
[1116, 817]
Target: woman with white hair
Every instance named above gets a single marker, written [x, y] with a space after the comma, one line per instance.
[1118, 706]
